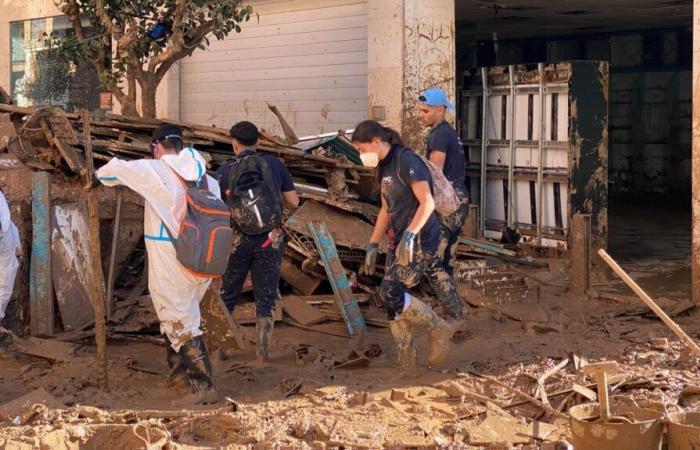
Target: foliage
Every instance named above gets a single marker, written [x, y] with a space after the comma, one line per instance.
[119, 46]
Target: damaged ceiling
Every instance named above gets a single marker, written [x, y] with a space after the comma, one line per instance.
[514, 19]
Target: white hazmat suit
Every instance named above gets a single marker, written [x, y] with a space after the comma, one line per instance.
[175, 292]
[10, 247]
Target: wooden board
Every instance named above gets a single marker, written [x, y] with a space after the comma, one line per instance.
[40, 289]
[300, 280]
[55, 351]
[339, 281]
[217, 325]
[301, 311]
[70, 265]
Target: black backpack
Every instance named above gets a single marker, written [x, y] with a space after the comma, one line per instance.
[254, 200]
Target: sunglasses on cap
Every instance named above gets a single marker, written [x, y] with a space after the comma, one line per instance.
[164, 138]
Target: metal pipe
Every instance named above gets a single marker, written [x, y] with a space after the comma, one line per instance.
[484, 140]
[540, 159]
[511, 162]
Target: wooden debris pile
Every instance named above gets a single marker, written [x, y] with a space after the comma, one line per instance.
[335, 189]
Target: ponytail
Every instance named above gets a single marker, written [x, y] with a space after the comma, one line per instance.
[370, 129]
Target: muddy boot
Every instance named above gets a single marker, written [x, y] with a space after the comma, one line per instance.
[177, 378]
[199, 371]
[420, 315]
[263, 328]
[405, 344]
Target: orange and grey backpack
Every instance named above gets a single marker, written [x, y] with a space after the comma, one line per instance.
[203, 245]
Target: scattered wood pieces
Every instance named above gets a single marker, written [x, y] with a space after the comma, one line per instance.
[531, 399]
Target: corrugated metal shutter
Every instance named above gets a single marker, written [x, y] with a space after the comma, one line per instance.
[308, 57]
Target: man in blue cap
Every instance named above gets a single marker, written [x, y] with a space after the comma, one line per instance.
[445, 151]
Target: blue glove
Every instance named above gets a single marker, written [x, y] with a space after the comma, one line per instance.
[370, 263]
[404, 251]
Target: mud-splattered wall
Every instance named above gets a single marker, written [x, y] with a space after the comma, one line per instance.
[412, 47]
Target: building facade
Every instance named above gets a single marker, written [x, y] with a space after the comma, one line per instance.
[326, 64]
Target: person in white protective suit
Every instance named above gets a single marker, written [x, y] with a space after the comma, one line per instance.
[10, 249]
[175, 292]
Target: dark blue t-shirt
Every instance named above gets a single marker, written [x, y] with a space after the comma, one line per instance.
[399, 170]
[443, 138]
[280, 173]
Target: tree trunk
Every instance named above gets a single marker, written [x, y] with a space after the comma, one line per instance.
[148, 97]
[128, 101]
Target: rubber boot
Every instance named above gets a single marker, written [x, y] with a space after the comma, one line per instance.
[405, 344]
[177, 378]
[199, 370]
[420, 315]
[263, 328]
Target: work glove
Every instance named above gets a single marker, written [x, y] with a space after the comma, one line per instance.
[404, 251]
[370, 264]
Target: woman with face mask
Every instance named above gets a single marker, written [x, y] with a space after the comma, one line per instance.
[407, 215]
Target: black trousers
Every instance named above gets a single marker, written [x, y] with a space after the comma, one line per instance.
[399, 279]
[261, 257]
[450, 230]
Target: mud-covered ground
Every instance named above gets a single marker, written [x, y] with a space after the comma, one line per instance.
[298, 401]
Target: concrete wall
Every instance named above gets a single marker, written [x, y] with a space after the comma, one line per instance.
[411, 47]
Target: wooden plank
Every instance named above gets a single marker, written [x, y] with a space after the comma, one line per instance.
[301, 311]
[336, 276]
[220, 332]
[71, 265]
[55, 351]
[299, 279]
[97, 288]
[493, 248]
[580, 254]
[40, 288]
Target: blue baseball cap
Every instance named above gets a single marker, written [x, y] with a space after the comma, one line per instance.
[435, 97]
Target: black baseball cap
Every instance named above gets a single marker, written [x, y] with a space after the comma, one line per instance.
[166, 131]
[245, 132]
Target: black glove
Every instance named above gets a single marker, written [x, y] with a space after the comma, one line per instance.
[404, 251]
[369, 266]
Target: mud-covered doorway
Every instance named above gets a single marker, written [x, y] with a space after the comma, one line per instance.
[648, 45]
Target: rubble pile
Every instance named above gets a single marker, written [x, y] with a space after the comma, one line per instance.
[334, 187]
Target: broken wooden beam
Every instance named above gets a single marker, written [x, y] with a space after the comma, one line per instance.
[97, 293]
[581, 254]
[677, 330]
[339, 281]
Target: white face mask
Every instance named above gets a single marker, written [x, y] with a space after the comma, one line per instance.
[370, 159]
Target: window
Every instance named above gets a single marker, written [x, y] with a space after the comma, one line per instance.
[39, 77]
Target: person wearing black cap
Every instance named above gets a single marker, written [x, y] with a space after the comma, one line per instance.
[174, 290]
[445, 151]
[255, 186]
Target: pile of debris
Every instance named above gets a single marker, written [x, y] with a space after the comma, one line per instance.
[327, 233]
